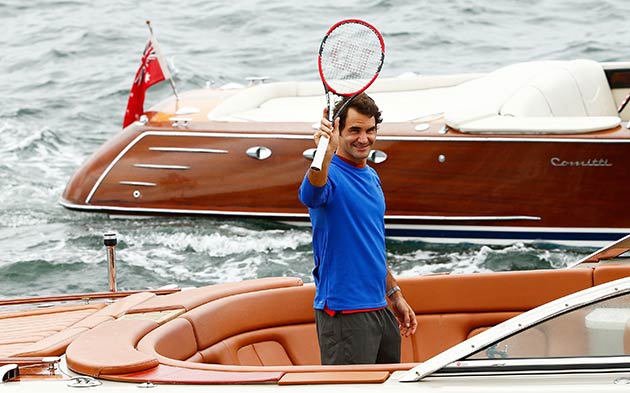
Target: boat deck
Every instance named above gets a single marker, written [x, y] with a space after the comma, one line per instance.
[263, 330]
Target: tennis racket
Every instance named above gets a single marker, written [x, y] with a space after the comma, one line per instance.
[350, 58]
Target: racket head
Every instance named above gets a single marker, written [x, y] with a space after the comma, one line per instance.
[350, 57]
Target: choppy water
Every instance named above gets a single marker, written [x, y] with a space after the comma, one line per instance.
[66, 68]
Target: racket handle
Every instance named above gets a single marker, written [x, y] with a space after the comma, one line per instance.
[318, 159]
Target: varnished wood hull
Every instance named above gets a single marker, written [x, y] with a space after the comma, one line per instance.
[436, 185]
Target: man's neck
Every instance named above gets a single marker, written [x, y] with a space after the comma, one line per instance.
[352, 162]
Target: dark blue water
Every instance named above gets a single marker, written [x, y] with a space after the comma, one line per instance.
[66, 68]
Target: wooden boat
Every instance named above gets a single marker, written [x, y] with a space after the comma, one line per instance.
[556, 330]
[532, 151]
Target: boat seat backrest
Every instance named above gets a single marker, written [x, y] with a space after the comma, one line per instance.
[279, 346]
[563, 88]
[269, 327]
[191, 298]
[255, 96]
[276, 327]
[611, 272]
[538, 97]
[402, 98]
[218, 320]
[173, 340]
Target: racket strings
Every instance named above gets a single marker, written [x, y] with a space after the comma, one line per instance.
[350, 56]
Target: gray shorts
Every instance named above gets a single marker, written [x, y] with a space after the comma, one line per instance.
[358, 338]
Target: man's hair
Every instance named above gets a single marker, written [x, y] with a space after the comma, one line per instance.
[363, 104]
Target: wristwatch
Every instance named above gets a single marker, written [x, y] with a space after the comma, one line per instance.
[393, 291]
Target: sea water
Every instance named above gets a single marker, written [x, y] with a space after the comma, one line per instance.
[65, 72]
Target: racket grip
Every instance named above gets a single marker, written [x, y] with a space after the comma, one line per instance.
[318, 159]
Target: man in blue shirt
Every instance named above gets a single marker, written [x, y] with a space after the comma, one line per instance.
[347, 208]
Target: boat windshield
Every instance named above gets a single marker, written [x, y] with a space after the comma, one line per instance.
[586, 327]
[599, 329]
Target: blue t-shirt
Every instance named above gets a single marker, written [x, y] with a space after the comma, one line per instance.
[347, 215]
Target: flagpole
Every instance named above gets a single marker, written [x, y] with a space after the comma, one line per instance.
[170, 76]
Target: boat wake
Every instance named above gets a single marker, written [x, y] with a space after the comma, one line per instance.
[415, 259]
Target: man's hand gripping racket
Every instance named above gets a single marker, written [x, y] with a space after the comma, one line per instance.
[350, 58]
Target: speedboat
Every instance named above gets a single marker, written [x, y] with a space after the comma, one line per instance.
[553, 330]
[535, 151]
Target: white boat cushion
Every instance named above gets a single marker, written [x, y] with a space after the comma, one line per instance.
[540, 125]
[401, 99]
[255, 96]
[537, 97]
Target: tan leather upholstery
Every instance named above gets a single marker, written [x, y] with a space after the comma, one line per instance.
[110, 349]
[47, 332]
[276, 327]
[192, 298]
[611, 272]
[220, 319]
[440, 331]
[504, 291]
[284, 345]
[273, 330]
[176, 341]
[334, 377]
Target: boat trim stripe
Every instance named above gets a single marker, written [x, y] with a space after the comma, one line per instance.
[525, 234]
[303, 215]
[162, 166]
[111, 165]
[137, 183]
[433, 232]
[188, 150]
[463, 218]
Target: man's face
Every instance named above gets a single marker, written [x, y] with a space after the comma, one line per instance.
[357, 137]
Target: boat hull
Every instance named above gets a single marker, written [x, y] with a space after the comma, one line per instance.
[461, 157]
[437, 185]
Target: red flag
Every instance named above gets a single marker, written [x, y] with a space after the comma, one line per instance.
[153, 69]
